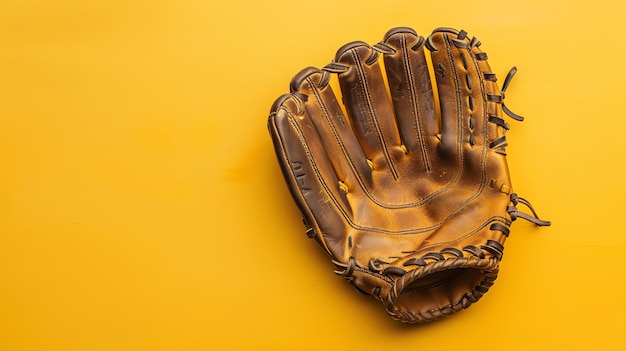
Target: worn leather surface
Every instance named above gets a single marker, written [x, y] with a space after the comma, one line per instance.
[403, 182]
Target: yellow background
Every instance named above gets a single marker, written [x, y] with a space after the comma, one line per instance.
[141, 206]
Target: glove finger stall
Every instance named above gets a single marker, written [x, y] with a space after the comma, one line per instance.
[371, 113]
[312, 181]
[411, 93]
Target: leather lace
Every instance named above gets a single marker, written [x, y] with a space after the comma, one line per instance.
[499, 98]
[515, 213]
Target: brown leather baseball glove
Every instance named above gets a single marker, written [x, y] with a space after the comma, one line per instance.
[403, 182]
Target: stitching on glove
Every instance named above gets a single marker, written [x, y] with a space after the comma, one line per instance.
[372, 112]
[408, 69]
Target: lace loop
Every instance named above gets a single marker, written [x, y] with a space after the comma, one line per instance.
[505, 85]
[515, 213]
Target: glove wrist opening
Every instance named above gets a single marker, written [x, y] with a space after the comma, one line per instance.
[441, 288]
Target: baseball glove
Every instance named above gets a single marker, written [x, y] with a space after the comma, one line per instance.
[403, 182]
